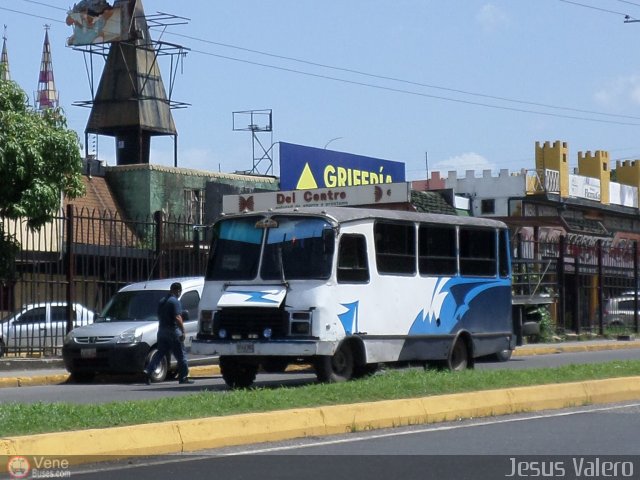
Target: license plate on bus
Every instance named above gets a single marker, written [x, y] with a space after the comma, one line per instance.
[244, 348]
[88, 353]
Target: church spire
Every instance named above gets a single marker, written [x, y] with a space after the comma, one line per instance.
[4, 58]
[47, 95]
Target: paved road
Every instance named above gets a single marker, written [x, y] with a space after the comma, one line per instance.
[561, 442]
[108, 389]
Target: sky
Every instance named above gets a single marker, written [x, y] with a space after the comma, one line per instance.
[438, 85]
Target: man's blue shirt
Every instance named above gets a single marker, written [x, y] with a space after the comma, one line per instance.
[169, 307]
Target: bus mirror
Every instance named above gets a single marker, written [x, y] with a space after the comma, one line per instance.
[328, 241]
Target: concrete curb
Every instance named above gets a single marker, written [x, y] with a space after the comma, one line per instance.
[87, 446]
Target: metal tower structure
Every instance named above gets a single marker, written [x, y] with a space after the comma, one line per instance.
[5, 74]
[257, 122]
[130, 102]
[47, 95]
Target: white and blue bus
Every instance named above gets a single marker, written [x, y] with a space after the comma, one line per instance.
[345, 289]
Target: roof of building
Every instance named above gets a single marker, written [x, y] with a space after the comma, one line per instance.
[98, 203]
[193, 172]
[431, 202]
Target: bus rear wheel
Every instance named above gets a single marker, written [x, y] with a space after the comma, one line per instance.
[337, 367]
[236, 373]
[458, 356]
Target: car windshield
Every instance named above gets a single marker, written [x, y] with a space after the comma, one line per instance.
[138, 305]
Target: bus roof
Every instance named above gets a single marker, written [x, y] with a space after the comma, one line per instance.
[352, 214]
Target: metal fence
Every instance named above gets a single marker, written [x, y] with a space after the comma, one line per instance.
[70, 268]
[590, 287]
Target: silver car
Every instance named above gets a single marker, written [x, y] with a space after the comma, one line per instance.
[40, 327]
[123, 338]
[618, 311]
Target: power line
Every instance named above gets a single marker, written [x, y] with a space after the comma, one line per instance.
[31, 15]
[408, 82]
[595, 8]
[629, 3]
[46, 5]
[391, 89]
[389, 78]
[409, 92]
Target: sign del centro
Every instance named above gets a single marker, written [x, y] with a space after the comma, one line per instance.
[320, 197]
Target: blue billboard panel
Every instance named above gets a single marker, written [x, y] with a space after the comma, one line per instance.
[303, 168]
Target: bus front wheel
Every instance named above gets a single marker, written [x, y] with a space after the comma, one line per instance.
[337, 367]
[237, 374]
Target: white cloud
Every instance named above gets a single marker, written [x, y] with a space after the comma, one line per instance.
[492, 18]
[620, 92]
[462, 163]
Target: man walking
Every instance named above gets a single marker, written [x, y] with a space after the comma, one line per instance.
[171, 335]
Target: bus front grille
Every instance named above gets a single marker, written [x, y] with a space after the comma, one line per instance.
[251, 323]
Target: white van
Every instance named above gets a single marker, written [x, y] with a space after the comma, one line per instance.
[123, 338]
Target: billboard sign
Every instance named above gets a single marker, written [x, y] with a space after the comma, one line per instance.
[319, 197]
[97, 25]
[308, 168]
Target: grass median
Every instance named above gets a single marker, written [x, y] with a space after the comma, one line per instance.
[24, 419]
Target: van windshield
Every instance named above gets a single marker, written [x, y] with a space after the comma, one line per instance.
[139, 305]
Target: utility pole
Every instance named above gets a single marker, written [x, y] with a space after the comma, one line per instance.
[426, 160]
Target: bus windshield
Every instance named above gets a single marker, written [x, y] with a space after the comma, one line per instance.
[296, 247]
[235, 249]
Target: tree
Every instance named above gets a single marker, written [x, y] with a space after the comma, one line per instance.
[39, 160]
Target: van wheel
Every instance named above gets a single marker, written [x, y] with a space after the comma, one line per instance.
[503, 355]
[237, 374]
[336, 368]
[458, 356]
[160, 373]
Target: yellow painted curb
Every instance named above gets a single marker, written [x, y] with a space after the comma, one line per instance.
[189, 435]
[549, 349]
[33, 381]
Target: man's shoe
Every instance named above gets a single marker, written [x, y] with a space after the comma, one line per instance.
[186, 381]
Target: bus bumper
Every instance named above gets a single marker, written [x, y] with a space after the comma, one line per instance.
[290, 348]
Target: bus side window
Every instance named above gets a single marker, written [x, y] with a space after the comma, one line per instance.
[437, 250]
[478, 252]
[395, 248]
[352, 259]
